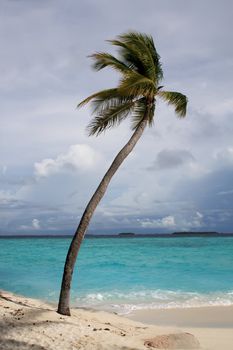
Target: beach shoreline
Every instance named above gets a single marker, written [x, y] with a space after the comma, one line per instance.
[33, 324]
[209, 316]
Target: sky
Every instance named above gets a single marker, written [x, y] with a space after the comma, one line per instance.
[178, 177]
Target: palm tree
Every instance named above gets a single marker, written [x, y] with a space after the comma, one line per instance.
[135, 96]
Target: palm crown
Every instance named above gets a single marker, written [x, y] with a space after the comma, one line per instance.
[139, 86]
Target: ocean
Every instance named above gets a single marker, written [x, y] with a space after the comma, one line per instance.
[123, 274]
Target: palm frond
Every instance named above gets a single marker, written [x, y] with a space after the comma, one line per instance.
[102, 60]
[104, 94]
[137, 43]
[147, 53]
[151, 113]
[156, 60]
[139, 112]
[100, 104]
[136, 85]
[129, 55]
[178, 100]
[142, 110]
[139, 85]
[138, 52]
[106, 99]
[110, 117]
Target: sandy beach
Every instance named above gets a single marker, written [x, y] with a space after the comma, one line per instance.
[32, 324]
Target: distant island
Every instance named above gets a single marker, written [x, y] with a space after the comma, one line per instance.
[194, 233]
[128, 235]
[161, 235]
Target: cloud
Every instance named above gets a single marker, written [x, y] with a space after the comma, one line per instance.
[193, 222]
[223, 193]
[79, 157]
[4, 169]
[167, 222]
[174, 222]
[36, 224]
[225, 156]
[169, 159]
[8, 200]
[220, 107]
[199, 215]
[45, 73]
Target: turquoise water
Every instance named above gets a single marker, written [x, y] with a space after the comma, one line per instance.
[123, 274]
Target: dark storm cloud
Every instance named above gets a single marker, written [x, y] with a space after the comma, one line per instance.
[168, 159]
[213, 196]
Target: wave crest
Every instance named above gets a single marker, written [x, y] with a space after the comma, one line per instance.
[126, 302]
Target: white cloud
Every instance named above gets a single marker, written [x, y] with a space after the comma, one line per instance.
[220, 107]
[225, 155]
[222, 193]
[166, 222]
[36, 224]
[199, 215]
[78, 157]
[193, 222]
[6, 196]
[171, 222]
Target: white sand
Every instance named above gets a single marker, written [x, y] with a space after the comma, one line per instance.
[28, 324]
[212, 326]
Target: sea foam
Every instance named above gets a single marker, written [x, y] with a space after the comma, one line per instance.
[124, 303]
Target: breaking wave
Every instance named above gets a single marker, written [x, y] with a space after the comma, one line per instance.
[124, 303]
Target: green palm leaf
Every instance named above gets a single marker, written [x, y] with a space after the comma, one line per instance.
[136, 85]
[102, 60]
[147, 53]
[129, 55]
[139, 112]
[141, 109]
[110, 117]
[104, 94]
[141, 72]
[99, 105]
[176, 99]
[106, 99]
[138, 52]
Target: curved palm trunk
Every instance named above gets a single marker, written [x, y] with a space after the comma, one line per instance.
[64, 300]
